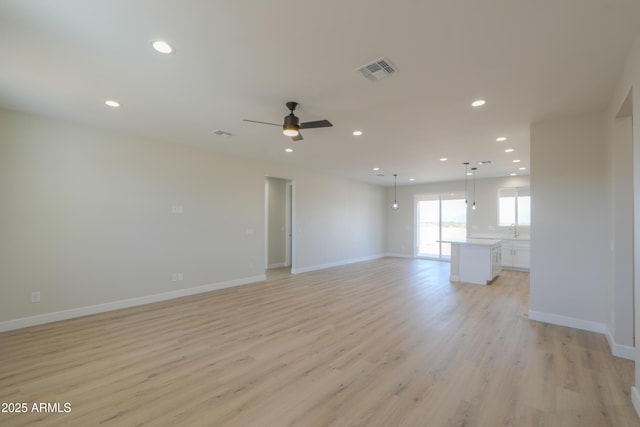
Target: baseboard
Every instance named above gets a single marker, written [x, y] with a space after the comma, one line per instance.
[525, 270]
[335, 264]
[40, 319]
[397, 255]
[277, 265]
[618, 350]
[635, 398]
[570, 322]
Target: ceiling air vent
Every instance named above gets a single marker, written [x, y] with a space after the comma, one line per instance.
[378, 69]
[220, 132]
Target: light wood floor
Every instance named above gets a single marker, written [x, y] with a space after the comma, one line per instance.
[383, 343]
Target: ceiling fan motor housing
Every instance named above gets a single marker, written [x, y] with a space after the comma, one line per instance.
[291, 122]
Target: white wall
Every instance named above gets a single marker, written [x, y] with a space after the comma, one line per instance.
[336, 221]
[402, 222]
[87, 219]
[569, 242]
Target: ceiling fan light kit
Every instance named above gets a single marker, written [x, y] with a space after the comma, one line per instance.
[291, 126]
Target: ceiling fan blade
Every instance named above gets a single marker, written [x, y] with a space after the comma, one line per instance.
[262, 123]
[297, 138]
[316, 124]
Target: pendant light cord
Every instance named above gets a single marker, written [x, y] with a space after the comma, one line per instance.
[473, 170]
[395, 182]
[466, 193]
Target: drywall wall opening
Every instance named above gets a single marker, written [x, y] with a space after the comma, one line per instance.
[278, 223]
[623, 271]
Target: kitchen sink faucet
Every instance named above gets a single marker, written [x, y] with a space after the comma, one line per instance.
[514, 228]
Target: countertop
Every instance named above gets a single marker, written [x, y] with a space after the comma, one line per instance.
[472, 241]
[524, 237]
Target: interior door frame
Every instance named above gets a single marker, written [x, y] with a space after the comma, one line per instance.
[290, 221]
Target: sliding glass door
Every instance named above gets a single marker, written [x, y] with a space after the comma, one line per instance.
[439, 217]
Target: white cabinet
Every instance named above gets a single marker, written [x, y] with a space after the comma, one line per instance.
[516, 254]
[496, 260]
[475, 260]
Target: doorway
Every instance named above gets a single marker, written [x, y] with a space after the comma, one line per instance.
[278, 223]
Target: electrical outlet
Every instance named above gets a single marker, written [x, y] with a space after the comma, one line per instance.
[180, 277]
[174, 277]
[35, 297]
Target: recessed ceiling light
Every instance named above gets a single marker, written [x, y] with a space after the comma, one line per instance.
[162, 46]
[443, 159]
[509, 150]
[357, 132]
[376, 169]
[501, 138]
[513, 174]
[516, 161]
[289, 150]
[112, 103]
[522, 169]
[478, 103]
[469, 173]
[412, 179]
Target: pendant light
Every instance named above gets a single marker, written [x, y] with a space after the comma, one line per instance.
[395, 204]
[473, 173]
[466, 173]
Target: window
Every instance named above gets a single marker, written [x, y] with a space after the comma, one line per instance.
[514, 206]
[439, 216]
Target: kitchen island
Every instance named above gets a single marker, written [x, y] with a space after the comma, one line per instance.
[476, 261]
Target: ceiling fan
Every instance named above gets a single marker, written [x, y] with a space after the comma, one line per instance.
[292, 125]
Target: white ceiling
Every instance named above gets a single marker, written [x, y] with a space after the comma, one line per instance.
[235, 60]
